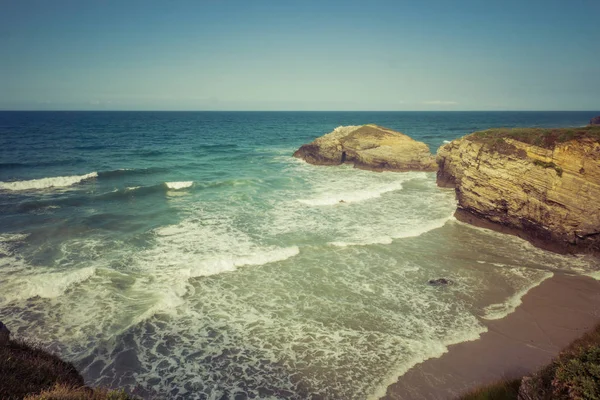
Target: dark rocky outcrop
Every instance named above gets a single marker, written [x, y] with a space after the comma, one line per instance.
[595, 120]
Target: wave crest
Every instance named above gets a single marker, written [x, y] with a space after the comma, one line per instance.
[352, 197]
[179, 185]
[47, 183]
[45, 285]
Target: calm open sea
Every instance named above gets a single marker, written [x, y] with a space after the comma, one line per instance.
[188, 255]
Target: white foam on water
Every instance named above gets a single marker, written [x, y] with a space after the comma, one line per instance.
[129, 188]
[366, 242]
[527, 253]
[43, 284]
[407, 232]
[340, 131]
[179, 185]
[501, 310]
[297, 322]
[196, 248]
[379, 208]
[47, 183]
[344, 322]
[352, 196]
[593, 274]
[206, 247]
[9, 240]
[220, 264]
[447, 141]
[13, 237]
[427, 351]
[344, 184]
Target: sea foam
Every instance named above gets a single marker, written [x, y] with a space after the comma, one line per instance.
[47, 183]
[401, 233]
[179, 185]
[352, 196]
[44, 284]
[501, 310]
[8, 240]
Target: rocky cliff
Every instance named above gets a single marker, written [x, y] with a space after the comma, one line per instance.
[368, 147]
[595, 120]
[540, 184]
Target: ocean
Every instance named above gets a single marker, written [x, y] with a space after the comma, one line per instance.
[188, 255]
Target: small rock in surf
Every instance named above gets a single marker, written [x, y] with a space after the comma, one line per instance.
[440, 282]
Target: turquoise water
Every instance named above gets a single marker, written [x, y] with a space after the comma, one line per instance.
[188, 255]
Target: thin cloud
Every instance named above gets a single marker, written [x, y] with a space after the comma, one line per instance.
[440, 103]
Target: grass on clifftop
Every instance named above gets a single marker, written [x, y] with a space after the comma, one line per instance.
[62, 392]
[31, 373]
[542, 137]
[507, 389]
[574, 374]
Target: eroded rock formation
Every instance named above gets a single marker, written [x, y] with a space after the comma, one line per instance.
[595, 120]
[540, 184]
[368, 147]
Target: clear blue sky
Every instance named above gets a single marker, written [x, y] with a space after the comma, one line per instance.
[300, 55]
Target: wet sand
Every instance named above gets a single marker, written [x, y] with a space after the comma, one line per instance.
[551, 315]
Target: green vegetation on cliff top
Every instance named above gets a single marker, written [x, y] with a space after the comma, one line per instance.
[506, 389]
[542, 137]
[574, 374]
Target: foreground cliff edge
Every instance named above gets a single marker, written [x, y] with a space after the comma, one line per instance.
[369, 147]
[28, 372]
[540, 184]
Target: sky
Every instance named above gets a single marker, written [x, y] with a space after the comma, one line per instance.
[300, 55]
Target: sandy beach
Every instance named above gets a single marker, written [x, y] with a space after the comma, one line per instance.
[551, 315]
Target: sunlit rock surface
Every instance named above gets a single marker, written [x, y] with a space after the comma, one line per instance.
[541, 184]
[369, 147]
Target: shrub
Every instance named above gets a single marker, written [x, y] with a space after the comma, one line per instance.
[578, 377]
[573, 375]
[541, 137]
[499, 145]
[544, 164]
[507, 389]
[63, 392]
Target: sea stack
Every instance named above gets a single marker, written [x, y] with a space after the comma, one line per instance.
[595, 120]
[540, 184]
[369, 147]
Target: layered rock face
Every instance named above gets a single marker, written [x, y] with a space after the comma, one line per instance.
[368, 147]
[542, 185]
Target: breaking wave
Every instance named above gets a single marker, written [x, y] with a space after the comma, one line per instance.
[45, 285]
[123, 172]
[402, 232]
[179, 185]
[501, 310]
[47, 183]
[352, 197]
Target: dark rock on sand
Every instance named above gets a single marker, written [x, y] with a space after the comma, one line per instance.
[440, 282]
[4, 334]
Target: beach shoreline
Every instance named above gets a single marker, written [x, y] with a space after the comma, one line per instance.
[551, 315]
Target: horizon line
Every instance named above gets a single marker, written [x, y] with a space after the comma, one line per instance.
[299, 111]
